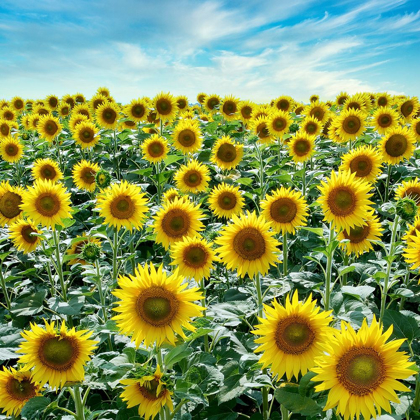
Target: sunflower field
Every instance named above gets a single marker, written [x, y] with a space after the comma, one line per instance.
[219, 260]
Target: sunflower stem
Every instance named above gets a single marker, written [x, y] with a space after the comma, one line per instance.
[203, 303]
[101, 293]
[388, 177]
[4, 288]
[117, 169]
[304, 179]
[114, 258]
[59, 265]
[284, 412]
[346, 263]
[259, 295]
[285, 253]
[388, 270]
[416, 402]
[80, 407]
[133, 255]
[330, 257]
[157, 168]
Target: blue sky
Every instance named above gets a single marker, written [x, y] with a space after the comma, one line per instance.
[253, 49]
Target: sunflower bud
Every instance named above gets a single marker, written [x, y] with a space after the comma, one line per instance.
[91, 252]
[406, 209]
[103, 179]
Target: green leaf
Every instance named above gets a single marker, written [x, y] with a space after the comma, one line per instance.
[295, 402]
[7, 353]
[404, 326]
[30, 304]
[172, 159]
[244, 181]
[233, 387]
[72, 307]
[345, 270]
[361, 292]
[176, 354]
[34, 407]
[317, 231]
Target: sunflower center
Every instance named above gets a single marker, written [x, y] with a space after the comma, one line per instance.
[65, 110]
[342, 201]
[407, 108]
[138, 111]
[20, 390]
[149, 390]
[47, 204]
[382, 101]
[283, 210]
[413, 193]
[163, 106]
[396, 145]
[157, 306]
[229, 107]
[318, 113]
[51, 128]
[88, 175]
[246, 112]
[53, 102]
[129, 123]
[155, 149]
[341, 100]
[385, 120]
[262, 131]
[351, 124]
[182, 103]
[87, 135]
[26, 233]
[122, 207]
[9, 204]
[361, 370]
[109, 115]
[212, 103]
[357, 234]
[58, 353]
[8, 115]
[283, 104]
[97, 103]
[353, 105]
[249, 243]
[195, 256]
[192, 178]
[302, 147]
[18, 104]
[187, 137]
[279, 123]
[48, 172]
[311, 127]
[12, 149]
[4, 129]
[294, 335]
[361, 165]
[227, 200]
[226, 152]
[175, 223]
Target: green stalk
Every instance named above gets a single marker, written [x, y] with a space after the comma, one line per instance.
[133, 259]
[80, 407]
[346, 263]
[387, 183]
[284, 413]
[4, 288]
[114, 258]
[157, 168]
[101, 293]
[50, 278]
[162, 411]
[59, 265]
[304, 179]
[388, 270]
[416, 402]
[329, 271]
[203, 303]
[117, 169]
[285, 253]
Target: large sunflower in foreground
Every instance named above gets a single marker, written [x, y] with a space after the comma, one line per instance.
[301, 147]
[47, 203]
[385, 119]
[364, 161]
[248, 245]
[225, 200]
[285, 209]
[350, 124]
[396, 145]
[165, 106]
[107, 115]
[361, 370]
[21, 234]
[226, 153]
[86, 135]
[292, 336]
[360, 237]
[187, 136]
[84, 174]
[16, 389]
[193, 256]
[46, 169]
[154, 306]
[49, 127]
[123, 205]
[345, 200]
[11, 149]
[57, 355]
[192, 177]
[155, 149]
[11, 198]
[149, 393]
[175, 220]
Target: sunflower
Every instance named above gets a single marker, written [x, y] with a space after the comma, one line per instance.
[56, 356]
[18, 104]
[11, 149]
[201, 97]
[408, 108]
[385, 119]
[311, 126]
[301, 146]
[123, 205]
[317, 110]
[82, 109]
[177, 219]
[248, 244]
[412, 230]
[20, 233]
[396, 145]
[77, 245]
[262, 111]
[205, 117]
[229, 108]
[415, 128]
[227, 154]
[192, 178]
[187, 136]
[360, 237]
[127, 125]
[212, 102]
[137, 110]
[246, 110]
[149, 393]
[345, 200]
[40, 109]
[350, 124]
[16, 389]
[86, 135]
[8, 114]
[79, 98]
[96, 101]
[260, 128]
[314, 98]
[46, 169]
[298, 109]
[193, 256]
[225, 201]
[279, 123]
[153, 307]
[170, 195]
[410, 189]
[49, 127]
[360, 370]
[106, 115]
[341, 98]
[292, 336]
[6, 128]
[155, 149]
[165, 106]
[412, 251]
[284, 103]
[47, 203]
[64, 109]
[364, 161]
[76, 119]
[356, 103]
[33, 121]
[10, 201]
[25, 121]
[182, 103]
[68, 99]
[383, 100]
[285, 210]
[84, 175]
